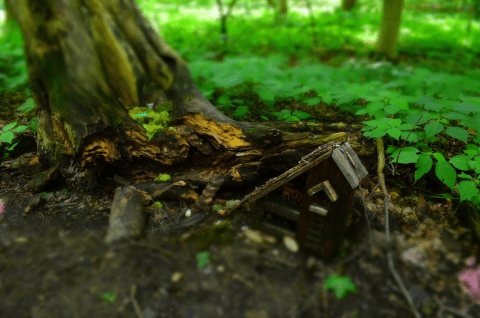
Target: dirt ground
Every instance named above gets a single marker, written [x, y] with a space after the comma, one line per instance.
[54, 263]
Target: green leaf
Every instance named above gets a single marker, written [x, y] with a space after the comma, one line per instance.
[19, 129]
[467, 189]
[346, 99]
[313, 101]
[394, 133]
[327, 98]
[9, 126]
[292, 118]
[446, 173]
[423, 165]
[412, 137]
[203, 259]
[458, 133]
[415, 119]
[439, 156]
[241, 111]
[395, 122]
[109, 297]
[465, 108]
[341, 285]
[301, 115]
[27, 106]
[224, 100]
[377, 133]
[461, 162]
[475, 165]
[464, 176]
[406, 126]
[392, 109]
[407, 155]
[12, 147]
[433, 128]
[401, 102]
[266, 95]
[7, 137]
[455, 115]
[264, 117]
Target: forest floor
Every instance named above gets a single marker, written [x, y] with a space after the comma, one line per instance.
[54, 262]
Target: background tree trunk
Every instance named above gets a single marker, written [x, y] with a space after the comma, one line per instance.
[348, 5]
[8, 12]
[283, 8]
[388, 35]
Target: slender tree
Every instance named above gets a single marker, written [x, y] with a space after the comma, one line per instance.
[348, 5]
[388, 35]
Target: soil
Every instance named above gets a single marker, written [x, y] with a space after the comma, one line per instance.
[54, 263]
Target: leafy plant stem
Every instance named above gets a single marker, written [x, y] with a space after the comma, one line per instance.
[403, 144]
[381, 182]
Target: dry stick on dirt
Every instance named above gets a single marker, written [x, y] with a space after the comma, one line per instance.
[381, 182]
[448, 309]
[136, 306]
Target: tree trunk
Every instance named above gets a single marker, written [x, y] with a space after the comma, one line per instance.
[283, 9]
[90, 61]
[388, 35]
[8, 13]
[348, 5]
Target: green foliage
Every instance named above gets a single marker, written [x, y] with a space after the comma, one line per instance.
[341, 285]
[152, 121]
[163, 177]
[158, 205]
[8, 133]
[203, 259]
[13, 66]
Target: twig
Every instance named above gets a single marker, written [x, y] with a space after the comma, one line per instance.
[366, 215]
[136, 306]
[450, 310]
[381, 181]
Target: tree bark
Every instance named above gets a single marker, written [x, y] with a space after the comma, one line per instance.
[388, 35]
[348, 5]
[8, 12]
[283, 9]
[90, 61]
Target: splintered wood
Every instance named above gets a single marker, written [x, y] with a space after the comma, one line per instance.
[312, 159]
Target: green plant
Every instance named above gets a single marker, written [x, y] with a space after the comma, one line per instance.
[13, 66]
[203, 259]
[8, 133]
[287, 115]
[341, 285]
[163, 177]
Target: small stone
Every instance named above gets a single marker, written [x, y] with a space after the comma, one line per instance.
[290, 244]
[269, 239]
[311, 263]
[220, 268]
[188, 213]
[176, 277]
[180, 183]
[254, 236]
[415, 256]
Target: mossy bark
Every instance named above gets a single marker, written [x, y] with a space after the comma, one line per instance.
[389, 29]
